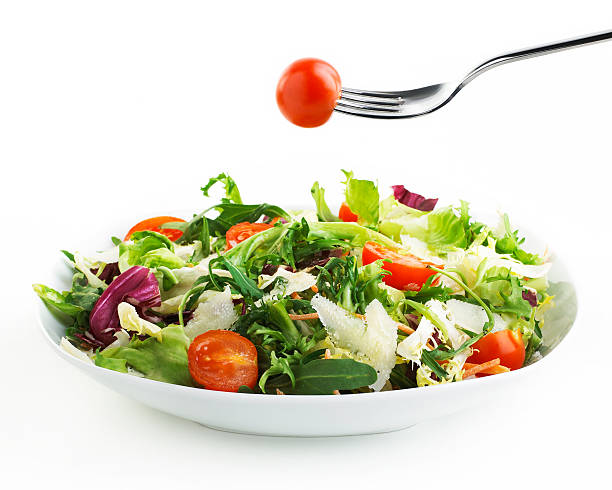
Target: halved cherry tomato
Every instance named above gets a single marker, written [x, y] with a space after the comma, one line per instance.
[153, 224]
[308, 91]
[240, 232]
[345, 213]
[221, 360]
[408, 272]
[506, 344]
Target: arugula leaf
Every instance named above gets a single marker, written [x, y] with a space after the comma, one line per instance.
[509, 244]
[280, 318]
[430, 362]
[296, 233]
[230, 214]
[362, 198]
[247, 287]
[473, 230]
[323, 376]
[68, 255]
[427, 292]
[318, 194]
[231, 189]
[351, 287]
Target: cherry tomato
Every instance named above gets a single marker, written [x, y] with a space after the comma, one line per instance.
[308, 91]
[345, 213]
[221, 360]
[506, 344]
[153, 224]
[240, 232]
[408, 272]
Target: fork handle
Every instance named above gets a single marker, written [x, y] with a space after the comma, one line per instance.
[541, 50]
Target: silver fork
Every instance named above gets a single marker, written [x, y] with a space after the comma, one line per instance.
[424, 100]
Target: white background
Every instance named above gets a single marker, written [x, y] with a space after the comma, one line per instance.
[114, 111]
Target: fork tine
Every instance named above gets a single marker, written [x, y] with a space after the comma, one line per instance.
[361, 105]
[382, 102]
[372, 94]
[367, 112]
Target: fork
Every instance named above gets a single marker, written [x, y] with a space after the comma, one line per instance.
[424, 100]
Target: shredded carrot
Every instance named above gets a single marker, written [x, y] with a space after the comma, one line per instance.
[279, 392]
[492, 370]
[295, 295]
[327, 354]
[479, 368]
[306, 316]
[359, 315]
[314, 288]
[336, 392]
[405, 328]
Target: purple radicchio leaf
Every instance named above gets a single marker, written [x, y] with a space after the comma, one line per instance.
[109, 272]
[413, 200]
[136, 285]
[531, 297]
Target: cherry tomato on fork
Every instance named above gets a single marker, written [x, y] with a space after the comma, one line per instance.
[222, 360]
[153, 224]
[346, 215]
[240, 232]
[506, 344]
[308, 91]
[408, 272]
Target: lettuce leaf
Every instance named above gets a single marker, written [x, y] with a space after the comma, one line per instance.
[134, 252]
[362, 198]
[318, 194]
[441, 229]
[232, 194]
[164, 361]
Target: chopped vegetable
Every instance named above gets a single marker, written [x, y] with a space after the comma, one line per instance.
[250, 298]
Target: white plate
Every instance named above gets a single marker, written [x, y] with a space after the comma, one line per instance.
[311, 416]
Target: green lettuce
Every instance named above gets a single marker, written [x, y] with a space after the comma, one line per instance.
[149, 249]
[362, 198]
[161, 361]
[442, 229]
[318, 194]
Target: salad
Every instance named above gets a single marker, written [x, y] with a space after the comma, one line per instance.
[388, 294]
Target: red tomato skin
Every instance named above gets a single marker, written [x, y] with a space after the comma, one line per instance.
[153, 224]
[408, 272]
[506, 344]
[222, 360]
[308, 91]
[241, 231]
[346, 215]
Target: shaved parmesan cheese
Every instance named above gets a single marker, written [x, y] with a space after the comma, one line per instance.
[171, 305]
[372, 341]
[67, 346]
[216, 313]
[295, 282]
[472, 317]
[85, 265]
[122, 338]
[130, 321]
[412, 346]
[188, 275]
[454, 336]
